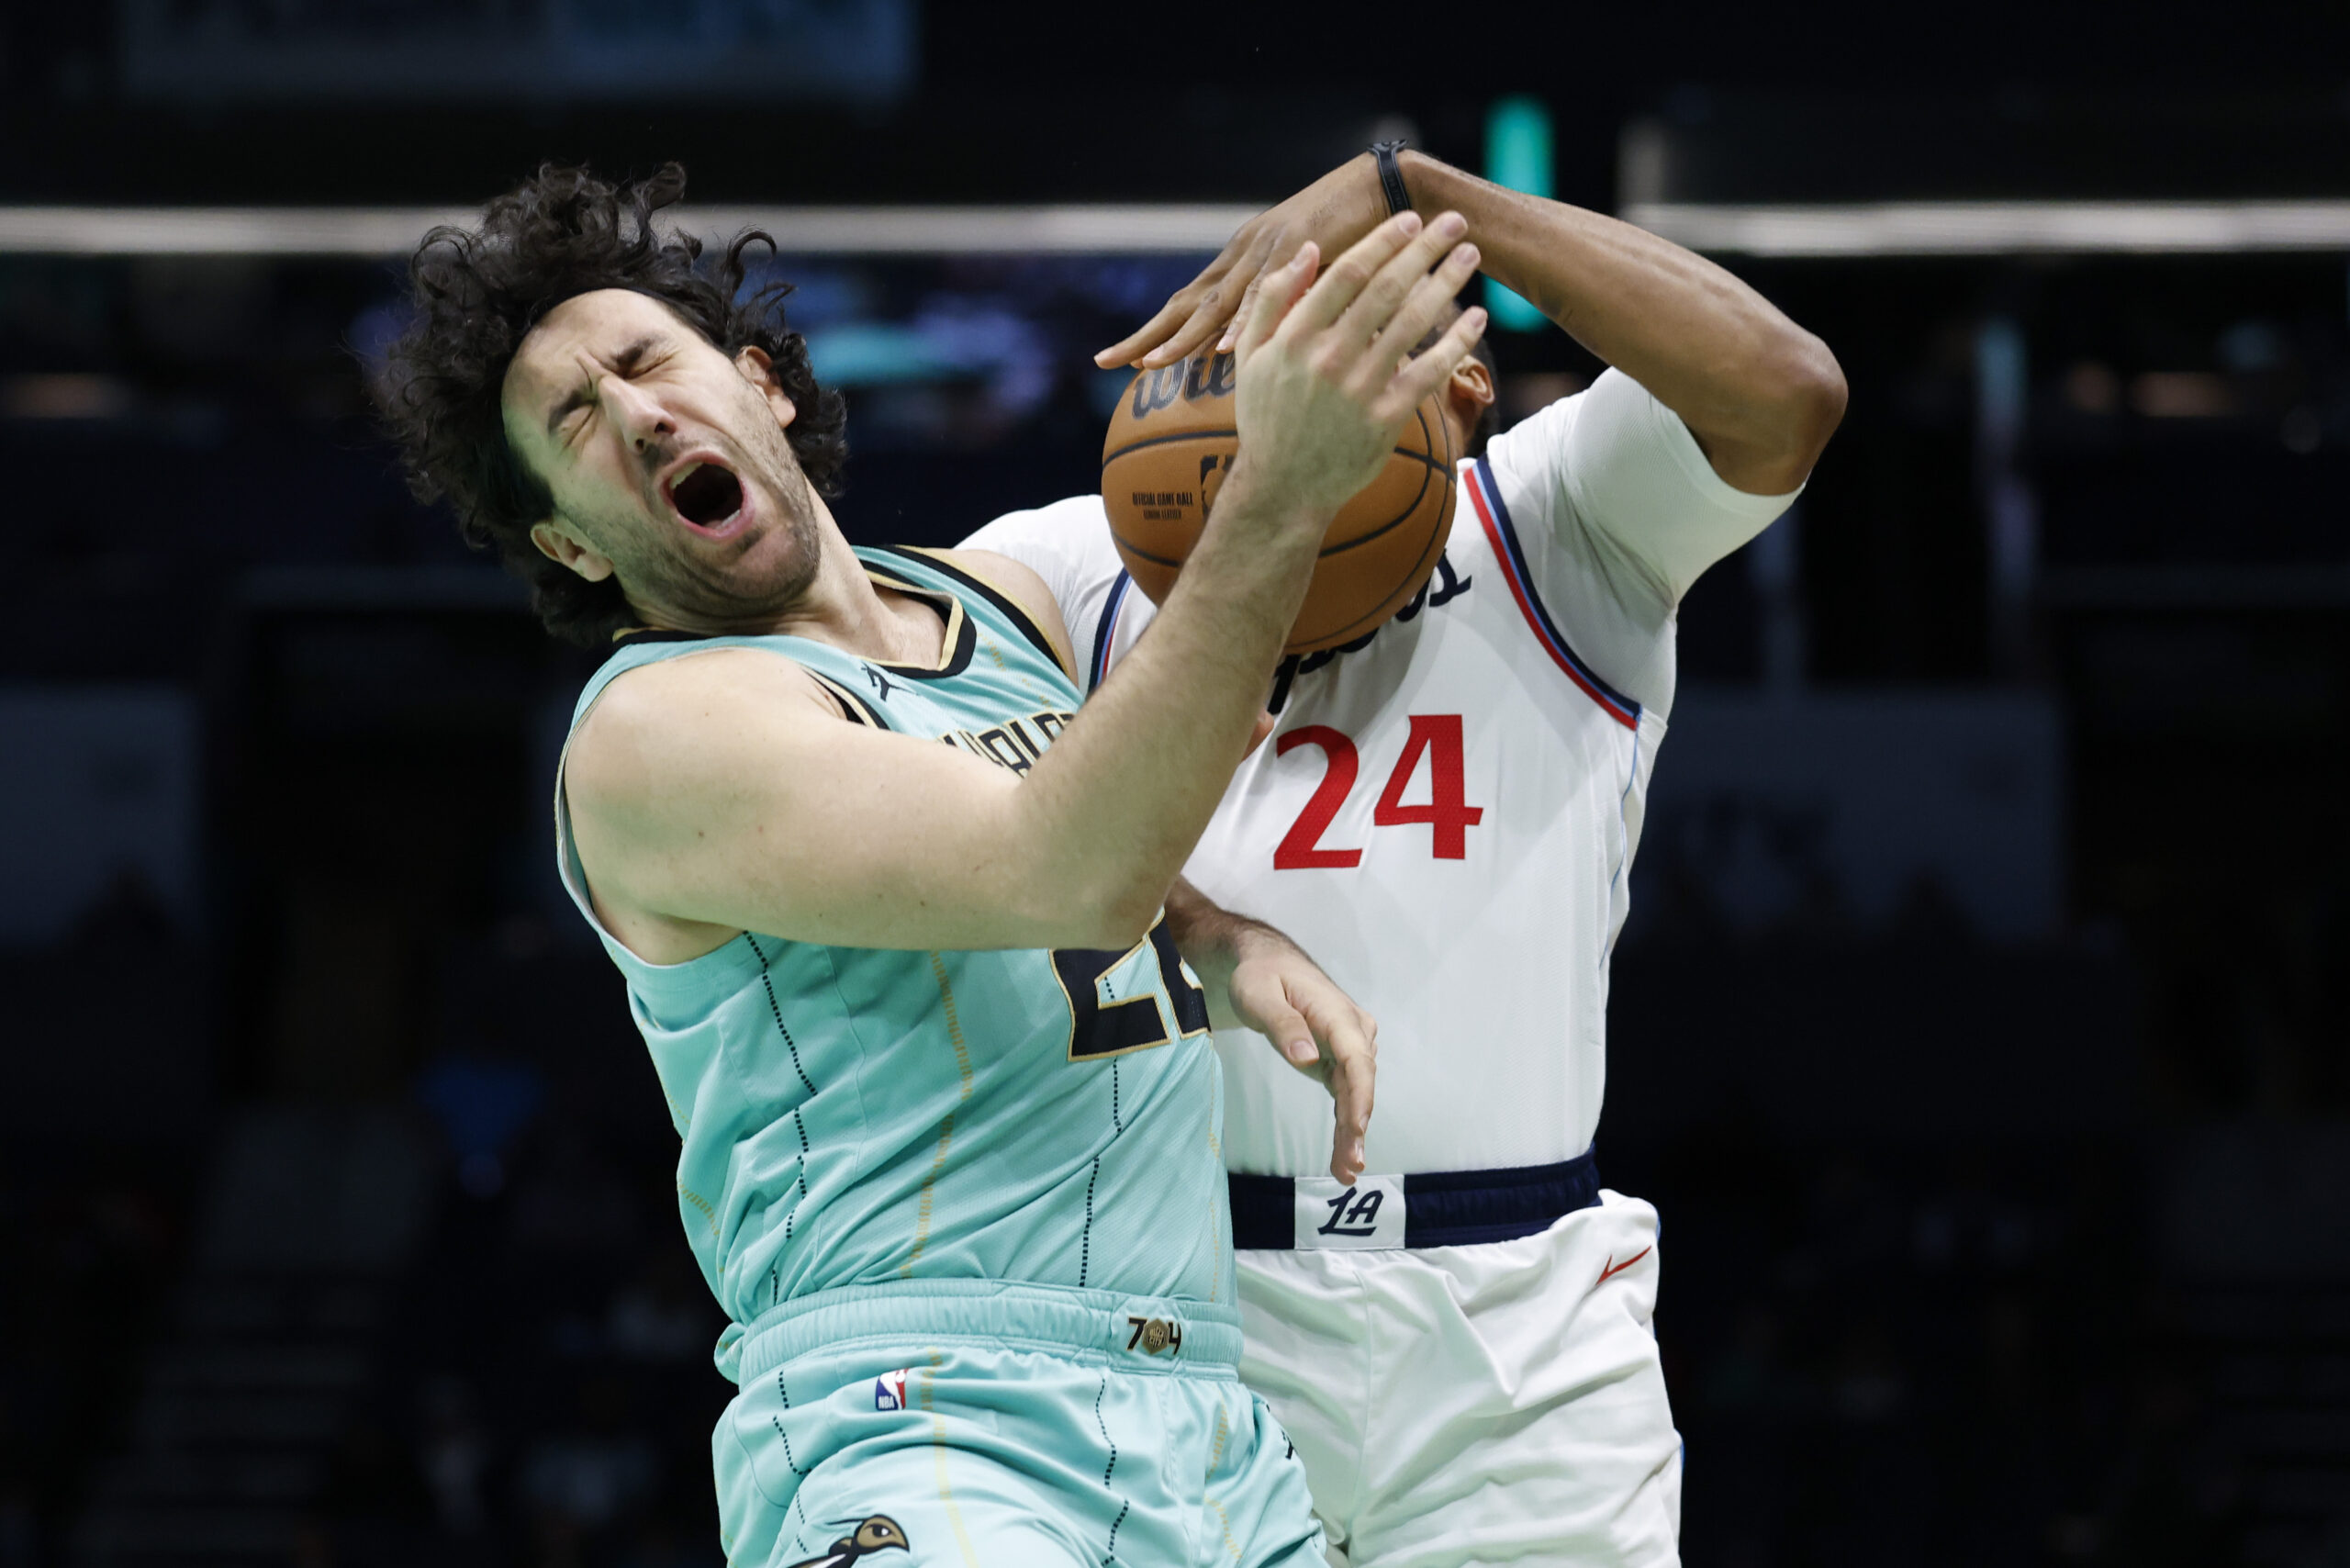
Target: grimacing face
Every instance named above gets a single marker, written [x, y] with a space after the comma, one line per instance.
[667, 462]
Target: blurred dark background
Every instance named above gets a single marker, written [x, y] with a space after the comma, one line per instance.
[1980, 1028]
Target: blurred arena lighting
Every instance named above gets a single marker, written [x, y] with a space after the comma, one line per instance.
[1517, 155]
[65, 397]
[1890, 228]
[1970, 227]
[377, 231]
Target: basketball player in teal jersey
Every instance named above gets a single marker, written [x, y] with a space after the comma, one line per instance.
[949, 1114]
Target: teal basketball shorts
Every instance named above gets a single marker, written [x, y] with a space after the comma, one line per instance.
[975, 1424]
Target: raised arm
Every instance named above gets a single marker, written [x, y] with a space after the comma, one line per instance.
[1761, 394]
[724, 792]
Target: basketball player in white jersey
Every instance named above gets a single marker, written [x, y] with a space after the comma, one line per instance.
[1460, 1342]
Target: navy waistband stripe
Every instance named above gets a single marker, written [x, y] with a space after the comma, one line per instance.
[1450, 1208]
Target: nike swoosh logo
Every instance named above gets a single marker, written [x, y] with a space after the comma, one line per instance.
[1613, 1268]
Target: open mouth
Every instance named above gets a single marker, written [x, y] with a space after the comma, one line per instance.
[706, 495]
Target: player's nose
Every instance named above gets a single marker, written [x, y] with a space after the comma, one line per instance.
[641, 416]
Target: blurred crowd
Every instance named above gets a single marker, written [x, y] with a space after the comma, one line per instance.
[1880, 1350]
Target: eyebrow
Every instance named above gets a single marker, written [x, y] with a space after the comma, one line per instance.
[584, 392]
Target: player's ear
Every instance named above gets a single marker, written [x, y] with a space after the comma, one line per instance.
[1467, 395]
[1470, 390]
[758, 369]
[557, 544]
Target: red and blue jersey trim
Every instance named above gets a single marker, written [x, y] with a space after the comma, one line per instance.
[1105, 632]
[1486, 495]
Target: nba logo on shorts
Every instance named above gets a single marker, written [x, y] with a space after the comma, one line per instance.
[889, 1390]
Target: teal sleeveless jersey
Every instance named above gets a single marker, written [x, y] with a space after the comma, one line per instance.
[856, 1117]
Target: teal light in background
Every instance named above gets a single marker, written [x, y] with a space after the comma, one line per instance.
[1517, 154]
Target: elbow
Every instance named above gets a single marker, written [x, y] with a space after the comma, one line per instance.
[1810, 396]
[1069, 885]
[1121, 916]
[1795, 399]
[1102, 911]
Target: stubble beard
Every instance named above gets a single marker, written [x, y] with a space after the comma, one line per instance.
[715, 596]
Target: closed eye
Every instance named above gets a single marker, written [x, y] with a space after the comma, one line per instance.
[563, 421]
[628, 363]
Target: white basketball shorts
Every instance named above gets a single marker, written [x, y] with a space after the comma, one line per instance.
[1467, 1406]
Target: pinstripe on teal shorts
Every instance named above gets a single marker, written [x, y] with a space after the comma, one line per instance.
[973, 1424]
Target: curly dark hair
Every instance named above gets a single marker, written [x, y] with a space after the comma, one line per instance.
[477, 294]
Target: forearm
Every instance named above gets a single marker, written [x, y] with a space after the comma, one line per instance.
[1209, 936]
[1761, 394]
[1128, 788]
[1217, 942]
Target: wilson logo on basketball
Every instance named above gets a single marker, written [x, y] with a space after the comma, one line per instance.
[1202, 376]
[1169, 448]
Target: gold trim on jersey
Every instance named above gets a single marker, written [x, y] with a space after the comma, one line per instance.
[1007, 601]
[946, 1124]
[951, 648]
[855, 709]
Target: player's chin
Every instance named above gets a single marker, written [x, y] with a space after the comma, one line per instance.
[775, 561]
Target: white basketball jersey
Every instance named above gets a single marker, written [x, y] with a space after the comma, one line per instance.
[1444, 817]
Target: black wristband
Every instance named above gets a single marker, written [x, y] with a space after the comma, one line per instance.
[1390, 176]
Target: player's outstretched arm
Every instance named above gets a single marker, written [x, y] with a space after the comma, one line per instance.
[725, 791]
[1258, 979]
[1761, 394]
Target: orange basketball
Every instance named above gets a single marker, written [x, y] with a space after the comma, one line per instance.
[1171, 444]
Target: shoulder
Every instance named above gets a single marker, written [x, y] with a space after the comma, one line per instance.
[1065, 550]
[1616, 451]
[1014, 577]
[649, 720]
[1534, 449]
[1067, 543]
[1072, 517]
[1019, 588]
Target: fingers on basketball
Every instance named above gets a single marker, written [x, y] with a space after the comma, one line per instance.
[1248, 303]
[1402, 307]
[1293, 278]
[1256, 264]
[1420, 377]
[1343, 282]
[1174, 437]
[1183, 306]
[1397, 290]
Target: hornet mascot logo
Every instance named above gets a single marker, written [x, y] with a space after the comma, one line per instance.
[876, 1534]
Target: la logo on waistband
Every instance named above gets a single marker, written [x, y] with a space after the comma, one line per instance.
[1364, 1216]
